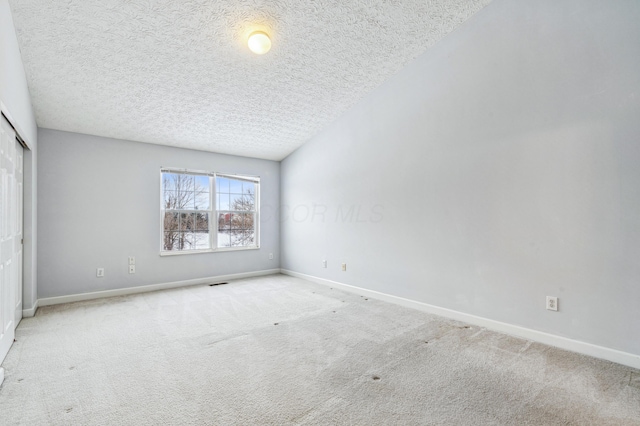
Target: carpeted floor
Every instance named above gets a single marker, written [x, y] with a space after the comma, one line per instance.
[279, 350]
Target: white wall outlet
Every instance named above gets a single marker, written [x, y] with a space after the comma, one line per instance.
[344, 266]
[132, 269]
[270, 256]
[100, 272]
[324, 263]
[552, 303]
[132, 260]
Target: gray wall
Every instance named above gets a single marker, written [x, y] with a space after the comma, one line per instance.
[15, 102]
[498, 168]
[99, 201]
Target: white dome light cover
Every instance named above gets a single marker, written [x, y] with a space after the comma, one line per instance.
[259, 42]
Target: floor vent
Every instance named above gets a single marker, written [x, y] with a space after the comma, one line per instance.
[211, 285]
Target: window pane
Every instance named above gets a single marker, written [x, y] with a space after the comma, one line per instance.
[186, 240]
[187, 222]
[248, 188]
[224, 221]
[249, 238]
[169, 181]
[201, 200]
[247, 221]
[169, 200]
[248, 229]
[187, 183]
[241, 238]
[185, 200]
[236, 221]
[223, 201]
[201, 183]
[236, 238]
[241, 229]
[249, 201]
[222, 185]
[171, 221]
[241, 221]
[201, 192]
[183, 185]
[236, 229]
[241, 202]
[178, 240]
[202, 240]
[224, 239]
[169, 242]
[177, 181]
[235, 186]
[236, 202]
[202, 221]
[224, 231]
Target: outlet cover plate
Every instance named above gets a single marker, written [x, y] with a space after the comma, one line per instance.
[552, 303]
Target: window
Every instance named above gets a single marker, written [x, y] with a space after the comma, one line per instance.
[208, 211]
[237, 212]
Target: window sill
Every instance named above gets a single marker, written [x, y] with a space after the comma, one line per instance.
[223, 249]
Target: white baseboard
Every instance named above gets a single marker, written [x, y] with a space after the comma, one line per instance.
[28, 313]
[584, 348]
[1, 375]
[147, 288]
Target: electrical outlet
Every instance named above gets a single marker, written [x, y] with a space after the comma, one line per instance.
[132, 269]
[344, 266]
[132, 260]
[324, 263]
[100, 272]
[552, 303]
[270, 256]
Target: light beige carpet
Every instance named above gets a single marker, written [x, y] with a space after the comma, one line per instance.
[279, 350]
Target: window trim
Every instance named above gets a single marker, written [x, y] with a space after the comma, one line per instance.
[213, 211]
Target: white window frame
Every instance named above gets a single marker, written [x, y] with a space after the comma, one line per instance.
[213, 211]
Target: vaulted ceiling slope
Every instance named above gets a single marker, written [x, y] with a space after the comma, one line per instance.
[179, 73]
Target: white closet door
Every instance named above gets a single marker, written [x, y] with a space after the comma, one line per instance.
[10, 236]
[17, 236]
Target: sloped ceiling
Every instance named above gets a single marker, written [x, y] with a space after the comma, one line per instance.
[179, 73]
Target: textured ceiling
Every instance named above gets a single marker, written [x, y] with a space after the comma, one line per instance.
[179, 73]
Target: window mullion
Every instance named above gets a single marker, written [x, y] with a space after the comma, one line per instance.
[213, 206]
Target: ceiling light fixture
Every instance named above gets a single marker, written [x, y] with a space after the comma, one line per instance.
[259, 42]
